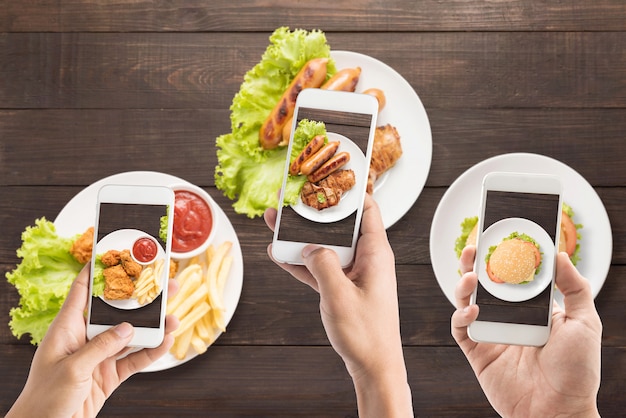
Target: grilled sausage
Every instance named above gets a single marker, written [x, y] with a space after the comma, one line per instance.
[309, 150]
[320, 157]
[380, 96]
[329, 167]
[343, 80]
[312, 74]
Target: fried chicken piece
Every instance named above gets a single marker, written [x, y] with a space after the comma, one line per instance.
[327, 192]
[173, 268]
[118, 284]
[385, 152]
[81, 248]
[131, 267]
[110, 258]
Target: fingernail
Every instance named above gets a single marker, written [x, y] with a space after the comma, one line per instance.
[123, 330]
[466, 309]
[306, 251]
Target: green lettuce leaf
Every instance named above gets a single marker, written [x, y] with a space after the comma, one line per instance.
[466, 228]
[245, 172]
[42, 279]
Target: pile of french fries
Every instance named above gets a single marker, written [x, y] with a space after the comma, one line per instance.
[199, 304]
[148, 285]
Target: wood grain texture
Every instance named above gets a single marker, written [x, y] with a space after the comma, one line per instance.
[204, 70]
[370, 15]
[91, 88]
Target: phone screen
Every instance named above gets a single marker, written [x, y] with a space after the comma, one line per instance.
[533, 214]
[127, 246]
[332, 225]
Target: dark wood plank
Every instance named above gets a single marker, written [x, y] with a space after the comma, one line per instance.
[107, 141]
[203, 70]
[395, 15]
[270, 381]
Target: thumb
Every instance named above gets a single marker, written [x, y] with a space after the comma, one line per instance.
[324, 265]
[103, 346]
[578, 299]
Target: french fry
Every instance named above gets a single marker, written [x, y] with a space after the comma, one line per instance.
[199, 301]
[188, 271]
[181, 344]
[190, 319]
[199, 294]
[188, 287]
[198, 343]
[205, 329]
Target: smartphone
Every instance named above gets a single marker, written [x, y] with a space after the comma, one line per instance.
[517, 245]
[328, 209]
[130, 261]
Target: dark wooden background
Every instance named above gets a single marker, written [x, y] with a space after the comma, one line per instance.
[92, 88]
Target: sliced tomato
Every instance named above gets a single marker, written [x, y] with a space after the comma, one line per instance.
[537, 253]
[569, 229]
[491, 275]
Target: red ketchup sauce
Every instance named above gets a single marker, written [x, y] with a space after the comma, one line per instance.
[193, 221]
[145, 250]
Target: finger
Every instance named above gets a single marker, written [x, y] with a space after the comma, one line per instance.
[172, 287]
[372, 221]
[461, 318]
[325, 267]
[467, 259]
[103, 346]
[299, 272]
[139, 360]
[78, 296]
[578, 299]
[270, 217]
[464, 289]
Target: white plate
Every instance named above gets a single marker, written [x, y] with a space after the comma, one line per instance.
[517, 292]
[405, 111]
[123, 239]
[79, 214]
[349, 201]
[462, 200]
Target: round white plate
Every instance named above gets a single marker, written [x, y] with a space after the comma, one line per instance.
[79, 214]
[523, 291]
[349, 201]
[123, 239]
[462, 200]
[405, 111]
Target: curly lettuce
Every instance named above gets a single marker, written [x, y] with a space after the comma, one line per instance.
[466, 228]
[245, 172]
[42, 279]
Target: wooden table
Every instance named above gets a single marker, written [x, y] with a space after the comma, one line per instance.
[89, 89]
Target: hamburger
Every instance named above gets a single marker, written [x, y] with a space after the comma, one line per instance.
[515, 260]
[569, 240]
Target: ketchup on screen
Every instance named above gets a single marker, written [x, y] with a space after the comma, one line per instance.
[145, 250]
[192, 221]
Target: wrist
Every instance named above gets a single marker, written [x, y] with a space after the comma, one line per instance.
[384, 393]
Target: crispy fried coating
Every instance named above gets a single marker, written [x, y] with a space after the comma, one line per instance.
[82, 247]
[118, 284]
[173, 268]
[131, 266]
[385, 152]
[110, 258]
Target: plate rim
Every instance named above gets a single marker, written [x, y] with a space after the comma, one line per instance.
[600, 276]
[225, 226]
[392, 213]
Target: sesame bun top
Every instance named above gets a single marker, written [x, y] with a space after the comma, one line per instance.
[513, 261]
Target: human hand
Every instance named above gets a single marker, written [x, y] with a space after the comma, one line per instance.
[560, 378]
[71, 376]
[359, 310]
